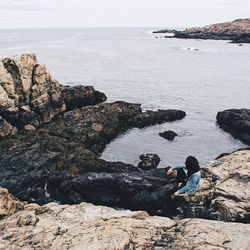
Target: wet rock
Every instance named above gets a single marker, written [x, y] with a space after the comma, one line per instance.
[94, 126]
[236, 122]
[28, 93]
[143, 190]
[169, 135]
[81, 96]
[150, 118]
[6, 128]
[149, 161]
[224, 193]
[28, 161]
[86, 226]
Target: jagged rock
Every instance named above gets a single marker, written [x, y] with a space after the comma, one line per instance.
[236, 122]
[81, 96]
[150, 118]
[169, 135]
[149, 161]
[28, 93]
[225, 193]
[86, 226]
[8, 204]
[94, 126]
[27, 162]
[6, 128]
[34, 165]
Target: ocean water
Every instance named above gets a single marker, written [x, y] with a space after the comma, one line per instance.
[130, 64]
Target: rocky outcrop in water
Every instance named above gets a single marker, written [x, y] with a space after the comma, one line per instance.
[237, 31]
[225, 192]
[149, 161]
[28, 93]
[169, 135]
[86, 226]
[55, 160]
[81, 96]
[236, 122]
[150, 118]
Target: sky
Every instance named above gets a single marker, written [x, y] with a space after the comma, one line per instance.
[117, 13]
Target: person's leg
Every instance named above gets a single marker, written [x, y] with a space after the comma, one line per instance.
[181, 177]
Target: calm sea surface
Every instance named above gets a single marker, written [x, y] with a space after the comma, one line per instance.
[132, 65]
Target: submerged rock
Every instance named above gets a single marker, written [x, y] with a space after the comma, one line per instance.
[236, 122]
[150, 118]
[28, 93]
[86, 226]
[81, 96]
[149, 161]
[169, 135]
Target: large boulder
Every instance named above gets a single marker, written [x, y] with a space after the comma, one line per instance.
[86, 226]
[236, 122]
[225, 190]
[28, 93]
[81, 96]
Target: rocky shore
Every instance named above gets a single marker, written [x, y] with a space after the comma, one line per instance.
[51, 140]
[85, 226]
[236, 122]
[237, 31]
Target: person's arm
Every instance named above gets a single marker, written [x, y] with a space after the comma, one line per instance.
[191, 185]
[173, 168]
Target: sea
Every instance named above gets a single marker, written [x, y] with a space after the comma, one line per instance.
[133, 65]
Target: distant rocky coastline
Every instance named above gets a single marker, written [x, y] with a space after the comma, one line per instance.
[237, 31]
[51, 139]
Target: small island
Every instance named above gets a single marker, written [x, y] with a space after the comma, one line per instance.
[237, 31]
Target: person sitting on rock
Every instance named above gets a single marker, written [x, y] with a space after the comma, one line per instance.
[188, 176]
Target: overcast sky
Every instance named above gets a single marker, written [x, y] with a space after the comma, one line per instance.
[114, 13]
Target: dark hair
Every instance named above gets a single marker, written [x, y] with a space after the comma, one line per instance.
[192, 165]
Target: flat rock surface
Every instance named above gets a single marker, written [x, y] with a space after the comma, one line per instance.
[86, 226]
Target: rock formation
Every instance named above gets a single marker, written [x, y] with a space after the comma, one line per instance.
[6, 128]
[169, 135]
[149, 118]
[236, 122]
[225, 191]
[149, 161]
[81, 96]
[86, 226]
[238, 31]
[28, 93]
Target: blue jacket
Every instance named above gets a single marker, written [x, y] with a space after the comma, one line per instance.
[192, 184]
